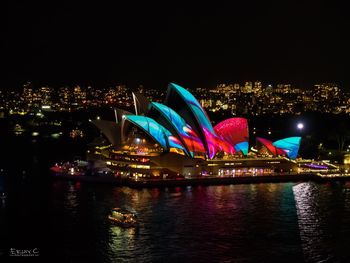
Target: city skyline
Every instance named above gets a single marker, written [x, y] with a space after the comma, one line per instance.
[248, 98]
[70, 43]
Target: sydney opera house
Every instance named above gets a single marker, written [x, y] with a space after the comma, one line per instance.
[176, 138]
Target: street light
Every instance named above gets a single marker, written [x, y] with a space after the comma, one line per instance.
[300, 126]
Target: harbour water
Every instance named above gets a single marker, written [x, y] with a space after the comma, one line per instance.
[67, 221]
[280, 222]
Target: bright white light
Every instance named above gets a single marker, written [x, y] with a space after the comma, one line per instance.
[300, 126]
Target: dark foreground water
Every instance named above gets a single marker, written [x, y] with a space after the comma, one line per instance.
[287, 222]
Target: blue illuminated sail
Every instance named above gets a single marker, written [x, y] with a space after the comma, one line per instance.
[290, 145]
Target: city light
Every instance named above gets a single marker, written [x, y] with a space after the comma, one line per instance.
[300, 126]
[283, 98]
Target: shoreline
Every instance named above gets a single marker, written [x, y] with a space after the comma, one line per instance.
[206, 181]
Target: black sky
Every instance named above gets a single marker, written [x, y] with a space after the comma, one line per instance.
[72, 42]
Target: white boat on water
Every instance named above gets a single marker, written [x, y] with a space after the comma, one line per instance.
[123, 217]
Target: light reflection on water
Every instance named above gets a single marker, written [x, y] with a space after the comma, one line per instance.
[235, 223]
[71, 201]
[122, 242]
[198, 223]
[323, 219]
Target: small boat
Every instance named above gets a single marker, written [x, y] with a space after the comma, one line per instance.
[122, 217]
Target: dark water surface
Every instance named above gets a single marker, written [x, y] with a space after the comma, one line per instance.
[285, 222]
[66, 221]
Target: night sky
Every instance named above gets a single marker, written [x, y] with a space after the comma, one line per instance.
[67, 43]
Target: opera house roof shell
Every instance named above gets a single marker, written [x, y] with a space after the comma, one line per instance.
[285, 147]
[183, 126]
